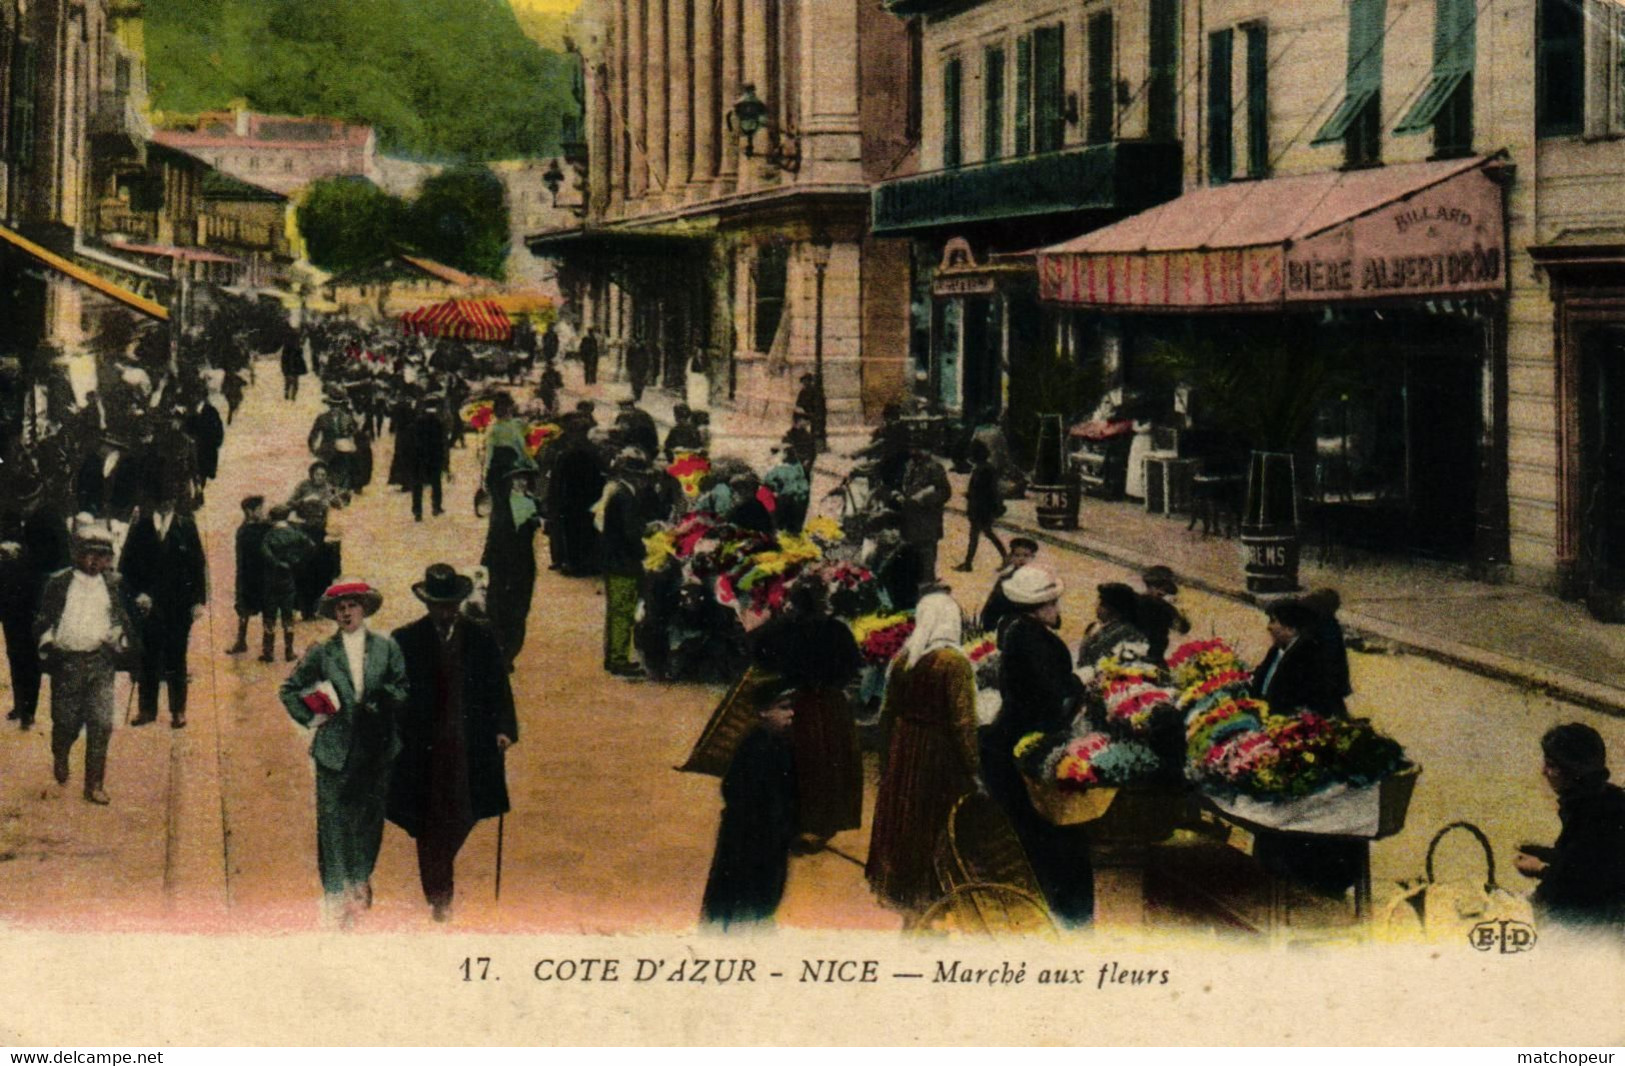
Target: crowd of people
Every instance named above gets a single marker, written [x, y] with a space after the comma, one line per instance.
[412, 727]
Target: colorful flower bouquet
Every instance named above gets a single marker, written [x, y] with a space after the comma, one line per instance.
[1107, 781]
[689, 468]
[539, 436]
[478, 415]
[881, 636]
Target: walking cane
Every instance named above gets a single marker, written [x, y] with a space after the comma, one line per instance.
[501, 821]
[129, 702]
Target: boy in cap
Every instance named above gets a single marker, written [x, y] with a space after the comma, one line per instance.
[85, 636]
[250, 578]
[284, 552]
[1159, 617]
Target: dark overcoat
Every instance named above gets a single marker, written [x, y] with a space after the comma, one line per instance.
[488, 711]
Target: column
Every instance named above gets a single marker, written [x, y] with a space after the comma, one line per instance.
[706, 113]
[728, 160]
[680, 64]
[632, 53]
[658, 105]
[609, 147]
[756, 44]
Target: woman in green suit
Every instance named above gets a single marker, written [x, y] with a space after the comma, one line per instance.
[348, 689]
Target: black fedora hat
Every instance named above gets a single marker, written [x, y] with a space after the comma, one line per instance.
[443, 584]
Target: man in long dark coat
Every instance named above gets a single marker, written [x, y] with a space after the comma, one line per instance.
[588, 351]
[33, 546]
[166, 576]
[577, 483]
[510, 555]
[427, 454]
[456, 723]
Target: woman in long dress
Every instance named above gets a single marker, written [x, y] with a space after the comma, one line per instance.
[930, 759]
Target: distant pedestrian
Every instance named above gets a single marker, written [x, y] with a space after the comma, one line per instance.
[588, 351]
[637, 428]
[624, 522]
[984, 505]
[456, 723]
[510, 555]
[925, 498]
[684, 435]
[1158, 616]
[810, 405]
[428, 456]
[166, 574]
[550, 344]
[547, 389]
[249, 580]
[787, 479]
[84, 635]
[638, 360]
[33, 546]
[284, 552]
[293, 366]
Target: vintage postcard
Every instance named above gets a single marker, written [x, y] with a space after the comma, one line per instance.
[812, 521]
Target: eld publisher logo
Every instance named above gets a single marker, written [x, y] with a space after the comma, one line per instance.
[1505, 937]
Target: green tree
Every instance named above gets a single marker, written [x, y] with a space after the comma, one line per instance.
[349, 223]
[460, 218]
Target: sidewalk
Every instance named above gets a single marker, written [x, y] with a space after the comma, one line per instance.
[1512, 633]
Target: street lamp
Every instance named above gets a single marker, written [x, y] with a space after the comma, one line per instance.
[553, 178]
[749, 115]
[820, 251]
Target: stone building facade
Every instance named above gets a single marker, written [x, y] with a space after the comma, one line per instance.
[743, 259]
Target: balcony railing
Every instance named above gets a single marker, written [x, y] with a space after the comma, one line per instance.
[241, 233]
[119, 218]
[1123, 176]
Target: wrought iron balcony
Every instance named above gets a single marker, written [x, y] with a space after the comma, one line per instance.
[1124, 176]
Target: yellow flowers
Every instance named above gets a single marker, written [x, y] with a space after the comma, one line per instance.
[870, 624]
[661, 546]
[822, 528]
[1028, 743]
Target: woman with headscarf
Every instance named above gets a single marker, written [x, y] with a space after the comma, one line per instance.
[816, 655]
[1582, 876]
[929, 756]
[349, 689]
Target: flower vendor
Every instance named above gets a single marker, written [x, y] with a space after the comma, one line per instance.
[1582, 876]
[1117, 610]
[1039, 694]
[818, 657]
[929, 759]
[1293, 673]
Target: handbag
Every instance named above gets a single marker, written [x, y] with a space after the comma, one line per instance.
[1432, 911]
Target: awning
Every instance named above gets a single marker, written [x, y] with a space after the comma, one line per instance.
[172, 251]
[1409, 230]
[477, 320]
[80, 274]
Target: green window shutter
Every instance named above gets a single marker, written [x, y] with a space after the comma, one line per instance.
[1221, 161]
[993, 102]
[1024, 94]
[1049, 88]
[952, 73]
[1366, 18]
[1258, 99]
[1454, 47]
[24, 88]
[1162, 94]
[1102, 106]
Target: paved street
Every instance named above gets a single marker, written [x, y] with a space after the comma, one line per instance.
[213, 827]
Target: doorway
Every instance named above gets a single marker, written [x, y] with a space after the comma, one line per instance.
[1601, 402]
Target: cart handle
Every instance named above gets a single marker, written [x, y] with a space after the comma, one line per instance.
[1483, 841]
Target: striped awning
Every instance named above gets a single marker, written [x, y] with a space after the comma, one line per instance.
[475, 320]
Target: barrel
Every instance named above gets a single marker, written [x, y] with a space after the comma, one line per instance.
[1269, 525]
[1058, 505]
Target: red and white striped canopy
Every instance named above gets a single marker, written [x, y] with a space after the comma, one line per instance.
[475, 320]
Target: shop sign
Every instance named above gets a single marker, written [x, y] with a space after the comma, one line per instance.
[964, 285]
[1447, 240]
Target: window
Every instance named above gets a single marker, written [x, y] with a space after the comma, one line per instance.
[1258, 99]
[1162, 92]
[952, 78]
[1560, 68]
[1221, 154]
[1357, 122]
[772, 279]
[993, 102]
[1024, 94]
[1446, 105]
[24, 69]
[1049, 88]
[1102, 80]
